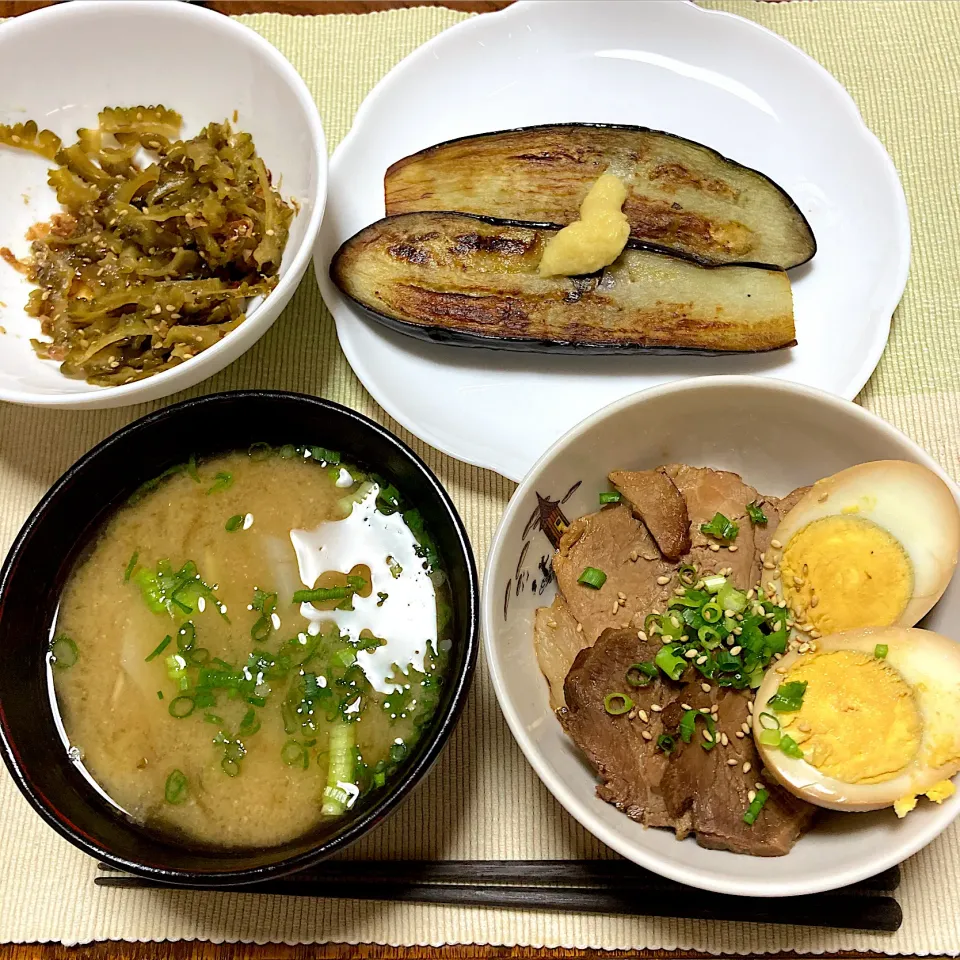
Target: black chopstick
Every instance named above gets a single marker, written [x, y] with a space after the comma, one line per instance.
[577, 886]
[570, 873]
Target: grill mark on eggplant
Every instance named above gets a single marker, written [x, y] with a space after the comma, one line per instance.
[550, 156]
[409, 252]
[580, 286]
[657, 220]
[465, 310]
[509, 246]
[676, 175]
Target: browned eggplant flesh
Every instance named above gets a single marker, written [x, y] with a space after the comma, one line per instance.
[474, 281]
[683, 198]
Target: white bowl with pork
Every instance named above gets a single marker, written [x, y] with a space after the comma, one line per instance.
[777, 437]
[64, 63]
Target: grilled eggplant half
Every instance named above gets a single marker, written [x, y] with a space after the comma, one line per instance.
[684, 198]
[473, 281]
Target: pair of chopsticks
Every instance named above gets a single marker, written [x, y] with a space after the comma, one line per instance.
[575, 886]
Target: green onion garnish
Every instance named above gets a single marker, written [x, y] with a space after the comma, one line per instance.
[181, 707]
[159, 694]
[395, 568]
[287, 452]
[610, 496]
[881, 650]
[711, 612]
[160, 647]
[687, 574]
[234, 523]
[197, 656]
[212, 718]
[322, 455]
[63, 652]
[642, 674]
[398, 752]
[382, 598]
[131, 566]
[769, 721]
[714, 583]
[668, 661]
[672, 627]
[617, 704]
[790, 747]
[720, 528]
[727, 662]
[688, 726]
[294, 754]
[757, 516]
[149, 486]
[666, 743]
[652, 624]
[220, 482]
[175, 790]
[260, 451]
[789, 697]
[192, 468]
[756, 805]
[230, 767]
[592, 577]
[177, 671]
[710, 637]
[770, 738]
[322, 594]
[250, 723]
[186, 637]
[345, 657]
[388, 499]
[379, 778]
[730, 598]
[265, 603]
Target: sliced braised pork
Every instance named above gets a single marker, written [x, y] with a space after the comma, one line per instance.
[655, 499]
[619, 545]
[691, 789]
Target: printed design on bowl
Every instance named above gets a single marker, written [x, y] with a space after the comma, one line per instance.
[549, 519]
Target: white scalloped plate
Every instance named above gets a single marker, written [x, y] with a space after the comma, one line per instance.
[666, 64]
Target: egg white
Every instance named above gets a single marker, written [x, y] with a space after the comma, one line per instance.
[929, 663]
[907, 500]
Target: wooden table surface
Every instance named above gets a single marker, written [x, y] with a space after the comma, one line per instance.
[195, 950]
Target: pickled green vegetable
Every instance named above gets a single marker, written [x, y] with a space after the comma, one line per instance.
[147, 266]
[27, 136]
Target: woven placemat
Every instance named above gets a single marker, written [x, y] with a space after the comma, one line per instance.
[483, 801]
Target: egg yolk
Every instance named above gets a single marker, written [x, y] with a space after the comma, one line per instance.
[844, 572]
[937, 793]
[941, 791]
[859, 721]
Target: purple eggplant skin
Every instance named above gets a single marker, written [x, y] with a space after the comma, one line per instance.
[684, 198]
[473, 281]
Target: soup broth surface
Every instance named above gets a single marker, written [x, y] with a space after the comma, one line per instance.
[201, 696]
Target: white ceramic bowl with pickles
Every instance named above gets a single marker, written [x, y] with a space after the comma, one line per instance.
[63, 64]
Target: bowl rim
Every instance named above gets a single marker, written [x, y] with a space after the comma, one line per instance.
[782, 885]
[410, 776]
[156, 385]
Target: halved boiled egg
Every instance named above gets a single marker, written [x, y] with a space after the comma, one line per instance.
[873, 545]
[869, 719]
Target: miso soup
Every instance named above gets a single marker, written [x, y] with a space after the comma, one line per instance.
[251, 644]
